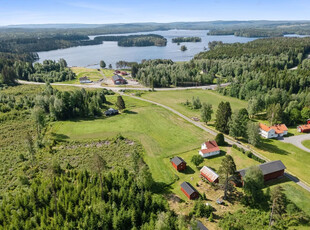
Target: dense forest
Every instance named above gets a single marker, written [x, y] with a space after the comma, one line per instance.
[135, 40]
[186, 39]
[48, 71]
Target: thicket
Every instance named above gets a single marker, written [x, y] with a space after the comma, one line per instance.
[135, 40]
[186, 39]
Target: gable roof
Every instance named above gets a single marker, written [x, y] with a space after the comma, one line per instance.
[211, 147]
[267, 168]
[83, 78]
[280, 128]
[188, 188]
[177, 160]
[304, 127]
[117, 77]
[209, 173]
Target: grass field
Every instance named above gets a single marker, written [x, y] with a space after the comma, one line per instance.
[306, 143]
[174, 99]
[92, 74]
[161, 133]
[296, 160]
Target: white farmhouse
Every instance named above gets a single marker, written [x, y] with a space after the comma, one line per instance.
[209, 148]
[274, 131]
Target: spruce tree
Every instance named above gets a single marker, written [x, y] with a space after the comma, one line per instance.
[120, 103]
[223, 114]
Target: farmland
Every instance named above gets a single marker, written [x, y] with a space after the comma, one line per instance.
[161, 133]
[174, 99]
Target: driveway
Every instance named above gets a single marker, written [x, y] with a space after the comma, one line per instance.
[296, 140]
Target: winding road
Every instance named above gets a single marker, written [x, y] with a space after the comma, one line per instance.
[200, 125]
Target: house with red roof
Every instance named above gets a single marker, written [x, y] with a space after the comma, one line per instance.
[303, 128]
[274, 131]
[209, 148]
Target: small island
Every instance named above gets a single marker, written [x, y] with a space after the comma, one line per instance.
[135, 40]
[186, 39]
[183, 48]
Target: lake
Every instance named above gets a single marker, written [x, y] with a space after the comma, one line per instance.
[90, 56]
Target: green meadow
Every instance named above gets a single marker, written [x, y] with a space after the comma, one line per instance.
[175, 98]
[161, 133]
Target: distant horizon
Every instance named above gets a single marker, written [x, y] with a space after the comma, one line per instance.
[20, 12]
[154, 22]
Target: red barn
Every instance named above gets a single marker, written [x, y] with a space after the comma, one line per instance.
[271, 170]
[304, 128]
[189, 191]
[118, 80]
[178, 163]
[209, 174]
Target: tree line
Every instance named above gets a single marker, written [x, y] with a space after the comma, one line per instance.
[135, 40]
[186, 39]
[48, 71]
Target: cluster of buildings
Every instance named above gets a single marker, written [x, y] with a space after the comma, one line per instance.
[280, 130]
[270, 170]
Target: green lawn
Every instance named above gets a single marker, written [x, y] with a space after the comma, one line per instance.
[108, 72]
[92, 74]
[306, 143]
[296, 160]
[161, 133]
[294, 192]
[174, 99]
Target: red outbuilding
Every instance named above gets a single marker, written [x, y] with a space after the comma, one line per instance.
[209, 174]
[271, 170]
[178, 163]
[189, 191]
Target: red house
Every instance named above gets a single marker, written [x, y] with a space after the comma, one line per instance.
[209, 174]
[304, 128]
[271, 170]
[189, 191]
[178, 163]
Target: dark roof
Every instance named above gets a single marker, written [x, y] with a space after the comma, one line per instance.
[83, 78]
[117, 77]
[201, 226]
[267, 168]
[188, 188]
[177, 160]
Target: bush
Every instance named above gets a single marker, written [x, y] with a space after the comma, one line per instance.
[220, 140]
[201, 210]
[249, 154]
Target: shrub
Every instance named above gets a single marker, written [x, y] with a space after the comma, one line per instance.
[249, 154]
[220, 140]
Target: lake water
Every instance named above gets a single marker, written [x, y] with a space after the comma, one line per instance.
[90, 56]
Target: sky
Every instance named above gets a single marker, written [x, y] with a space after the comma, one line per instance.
[14, 12]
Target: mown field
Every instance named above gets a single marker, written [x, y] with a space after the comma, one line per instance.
[92, 74]
[174, 99]
[161, 133]
[296, 160]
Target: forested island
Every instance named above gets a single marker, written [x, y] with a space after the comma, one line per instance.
[135, 40]
[186, 39]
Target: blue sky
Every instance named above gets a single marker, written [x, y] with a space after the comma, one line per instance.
[109, 11]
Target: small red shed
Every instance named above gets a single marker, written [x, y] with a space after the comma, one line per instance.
[209, 174]
[189, 191]
[178, 163]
